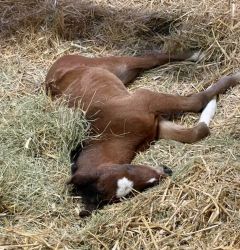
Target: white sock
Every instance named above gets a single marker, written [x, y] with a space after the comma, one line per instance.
[209, 112]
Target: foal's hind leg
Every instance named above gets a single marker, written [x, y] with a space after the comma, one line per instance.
[159, 103]
[172, 131]
[128, 68]
[169, 130]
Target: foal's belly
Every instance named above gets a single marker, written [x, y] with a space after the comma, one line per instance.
[125, 121]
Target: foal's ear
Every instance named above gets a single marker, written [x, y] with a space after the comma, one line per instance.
[82, 179]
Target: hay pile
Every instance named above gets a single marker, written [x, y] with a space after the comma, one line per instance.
[198, 208]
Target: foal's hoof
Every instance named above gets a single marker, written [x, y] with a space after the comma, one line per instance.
[167, 170]
[196, 56]
[236, 76]
[84, 213]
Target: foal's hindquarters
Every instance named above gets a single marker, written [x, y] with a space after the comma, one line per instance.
[124, 122]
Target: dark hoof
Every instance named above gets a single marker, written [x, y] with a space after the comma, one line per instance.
[84, 213]
[167, 170]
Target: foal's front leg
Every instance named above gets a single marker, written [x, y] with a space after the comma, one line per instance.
[127, 68]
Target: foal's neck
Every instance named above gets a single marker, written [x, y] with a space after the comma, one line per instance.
[116, 151]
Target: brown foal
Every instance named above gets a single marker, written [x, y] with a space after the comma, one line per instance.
[125, 123]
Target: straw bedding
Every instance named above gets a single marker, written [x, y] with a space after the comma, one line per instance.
[198, 208]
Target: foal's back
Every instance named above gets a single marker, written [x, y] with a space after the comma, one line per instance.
[83, 80]
[112, 110]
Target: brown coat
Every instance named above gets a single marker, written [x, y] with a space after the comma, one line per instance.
[122, 122]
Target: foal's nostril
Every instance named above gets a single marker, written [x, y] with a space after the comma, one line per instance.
[167, 170]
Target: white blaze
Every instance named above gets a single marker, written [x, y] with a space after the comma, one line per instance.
[124, 187]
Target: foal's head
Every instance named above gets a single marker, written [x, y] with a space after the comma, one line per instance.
[110, 183]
